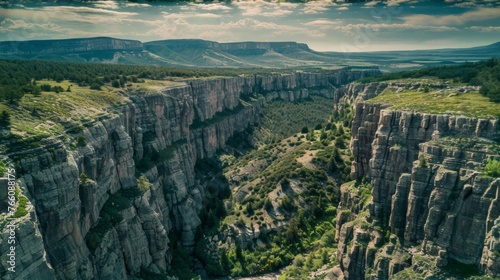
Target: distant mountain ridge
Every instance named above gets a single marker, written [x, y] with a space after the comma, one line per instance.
[203, 53]
[190, 43]
[68, 45]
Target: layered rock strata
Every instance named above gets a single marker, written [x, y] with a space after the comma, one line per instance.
[74, 187]
[428, 195]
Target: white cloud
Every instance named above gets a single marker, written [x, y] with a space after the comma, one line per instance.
[67, 13]
[137, 5]
[106, 5]
[371, 4]
[189, 15]
[393, 3]
[370, 30]
[316, 7]
[470, 3]
[321, 22]
[264, 8]
[470, 16]
[62, 10]
[342, 9]
[181, 28]
[141, 21]
[324, 23]
[213, 7]
[485, 28]
[11, 24]
[85, 14]
[21, 30]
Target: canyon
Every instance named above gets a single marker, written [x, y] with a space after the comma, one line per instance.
[110, 206]
[69, 187]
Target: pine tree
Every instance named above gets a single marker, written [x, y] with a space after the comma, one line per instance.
[224, 260]
[5, 119]
[249, 209]
[292, 232]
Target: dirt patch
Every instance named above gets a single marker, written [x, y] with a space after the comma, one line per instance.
[306, 159]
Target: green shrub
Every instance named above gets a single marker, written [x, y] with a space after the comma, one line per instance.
[109, 216]
[144, 164]
[492, 168]
[21, 207]
[4, 119]
[422, 161]
[93, 240]
[143, 183]
[84, 178]
[81, 141]
[267, 204]
[287, 205]
[181, 263]
[3, 168]
[95, 86]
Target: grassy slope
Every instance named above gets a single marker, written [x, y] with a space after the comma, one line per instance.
[35, 115]
[471, 104]
[52, 113]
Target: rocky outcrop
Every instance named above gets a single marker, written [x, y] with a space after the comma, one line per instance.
[30, 255]
[104, 207]
[355, 92]
[428, 195]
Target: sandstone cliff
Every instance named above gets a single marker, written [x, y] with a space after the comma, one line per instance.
[103, 209]
[429, 202]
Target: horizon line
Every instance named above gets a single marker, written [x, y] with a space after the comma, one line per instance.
[236, 42]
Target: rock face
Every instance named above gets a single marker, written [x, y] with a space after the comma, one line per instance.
[428, 196]
[73, 232]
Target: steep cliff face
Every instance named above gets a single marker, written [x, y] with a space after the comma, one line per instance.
[428, 196]
[103, 208]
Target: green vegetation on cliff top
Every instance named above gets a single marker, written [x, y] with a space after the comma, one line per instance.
[483, 73]
[471, 89]
[17, 76]
[471, 104]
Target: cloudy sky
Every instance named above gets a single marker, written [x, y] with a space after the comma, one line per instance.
[324, 24]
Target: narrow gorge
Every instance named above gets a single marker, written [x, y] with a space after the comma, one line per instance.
[120, 194]
[104, 207]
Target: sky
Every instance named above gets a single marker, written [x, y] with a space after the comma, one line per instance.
[325, 25]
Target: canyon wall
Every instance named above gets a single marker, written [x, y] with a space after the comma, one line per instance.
[104, 208]
[430, 204]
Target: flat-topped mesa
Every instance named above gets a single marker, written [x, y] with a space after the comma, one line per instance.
[62, 46]
[277, 46]
[178, 44]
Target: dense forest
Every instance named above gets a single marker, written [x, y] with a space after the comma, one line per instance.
[483, 73]
[18, 77]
